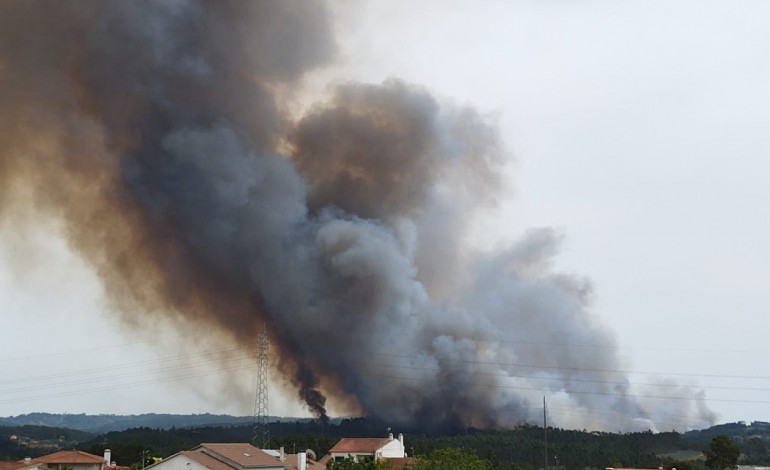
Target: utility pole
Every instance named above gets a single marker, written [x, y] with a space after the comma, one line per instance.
[545, 433]
[261, 432]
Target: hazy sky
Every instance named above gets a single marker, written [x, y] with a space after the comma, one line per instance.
[639, 130]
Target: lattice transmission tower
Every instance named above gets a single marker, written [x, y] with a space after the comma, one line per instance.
[261, 431]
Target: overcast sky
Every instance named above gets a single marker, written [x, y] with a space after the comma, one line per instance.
[640, 130]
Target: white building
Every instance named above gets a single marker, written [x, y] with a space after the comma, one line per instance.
[369, 448]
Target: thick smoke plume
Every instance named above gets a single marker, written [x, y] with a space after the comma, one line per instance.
[158, 132]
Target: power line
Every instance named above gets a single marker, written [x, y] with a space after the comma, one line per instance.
[587, 369]
[186, 371]
[155, 340]
[165, 367]
[555, 378]
[113, 367]
[171, 369]
[582, 392]
[132, 384]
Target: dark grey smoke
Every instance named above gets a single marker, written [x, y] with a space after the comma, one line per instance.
[158, 133]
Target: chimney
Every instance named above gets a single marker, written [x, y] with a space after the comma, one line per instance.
[283, 455]
[401, 438]
[107, 457]
[302, 461]
[390, 436]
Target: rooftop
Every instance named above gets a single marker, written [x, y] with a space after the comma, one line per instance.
[17, 465]
[70, 457]
[292, 463]
[206, 460]
[353, 445]
[243, 455]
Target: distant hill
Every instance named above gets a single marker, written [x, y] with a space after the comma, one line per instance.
[160, 435]
[17, 442]
[738, 432]
[100, 424]
[521, 447]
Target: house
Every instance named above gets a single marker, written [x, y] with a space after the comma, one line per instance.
[296, 462]
[74, 460]
[362, 449]
[26, 464]
[66, 459]
[235, 456]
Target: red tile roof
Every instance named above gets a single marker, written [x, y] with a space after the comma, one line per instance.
[292, 463]
[70, 456]
[17, 465]
[244, 455]
[206, 460]
[359, 445]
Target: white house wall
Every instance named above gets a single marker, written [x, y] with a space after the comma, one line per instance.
[183, 462]
[392, 450]
[179, 462]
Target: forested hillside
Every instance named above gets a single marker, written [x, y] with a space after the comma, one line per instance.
[521, 448]
[105, 423]
[18, 442]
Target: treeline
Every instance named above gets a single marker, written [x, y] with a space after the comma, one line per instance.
[18, 442]
[127, 446]
[521, 448]
[106, 422]
[524, 448]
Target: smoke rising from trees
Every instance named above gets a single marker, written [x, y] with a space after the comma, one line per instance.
[158, 133]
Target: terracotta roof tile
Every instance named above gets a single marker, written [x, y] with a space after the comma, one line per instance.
[352, 445]
[18, 465]
[70, 456]
[244, 455]
[206, 460]
[292, 463]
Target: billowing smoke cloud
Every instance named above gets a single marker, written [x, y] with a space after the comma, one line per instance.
[158, 133]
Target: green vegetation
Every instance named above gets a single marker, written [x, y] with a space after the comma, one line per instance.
[441, 459]
[452, 459]
[18, 442]
[349, 464]
[722, 453]
[521, 448]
